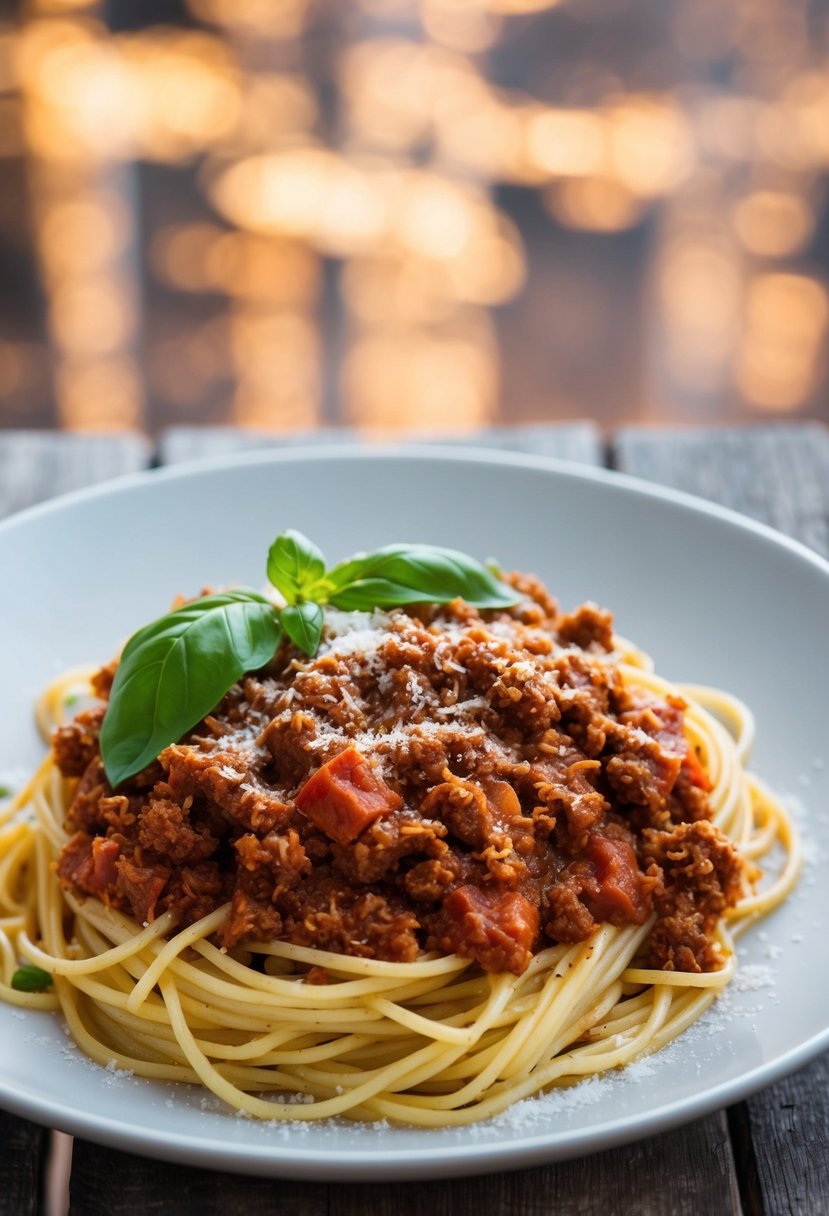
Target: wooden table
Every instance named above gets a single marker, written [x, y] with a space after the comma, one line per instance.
[766, 1155]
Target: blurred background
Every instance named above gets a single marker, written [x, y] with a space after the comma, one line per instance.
[412, 215]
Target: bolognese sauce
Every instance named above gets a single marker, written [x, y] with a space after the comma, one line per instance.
[433, 780]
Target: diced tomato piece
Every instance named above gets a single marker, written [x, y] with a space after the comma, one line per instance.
[345, 796]
[75, 862]
[497, 929]
[104, 856]
[618, 895]
[696, 773]
[88, 862]
[141, 886]
[664, 722]
[503, 800]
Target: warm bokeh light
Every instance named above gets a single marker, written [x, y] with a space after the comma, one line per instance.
[598, 204]
[206, 258]
[12, 368]
[463, 25]
[99, 395]
[565, 143]
[255, 18]
[347, 209]
[414, 214]
[91, 316]
[512, 7]
[773, 224]
[784, 340]
[273, 106]
[276, 355]
[699, 289]
[650, 145]
[421, 381]
[85, 233]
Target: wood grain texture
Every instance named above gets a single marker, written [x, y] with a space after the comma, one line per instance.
[35, 465]
[24, 1152]
[789, 1128]
[108, 1183]
[576, 441]
[779, 475]
[683, 1173]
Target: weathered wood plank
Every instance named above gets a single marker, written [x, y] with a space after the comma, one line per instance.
[108, 1183]
[789, 1129]
[35, 465]
[577, 441]
[682, 1173]
[24, 1153]
[780, 475]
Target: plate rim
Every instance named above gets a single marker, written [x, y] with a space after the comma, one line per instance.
[379, 1163]
[417, 453]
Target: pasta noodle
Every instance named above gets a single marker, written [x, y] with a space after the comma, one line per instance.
[434, 1042]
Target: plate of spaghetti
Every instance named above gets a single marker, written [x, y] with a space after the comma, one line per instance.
[463, 851]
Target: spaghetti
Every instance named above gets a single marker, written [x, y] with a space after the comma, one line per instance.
[436, 1041]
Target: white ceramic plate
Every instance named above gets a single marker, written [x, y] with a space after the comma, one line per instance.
[713, 597]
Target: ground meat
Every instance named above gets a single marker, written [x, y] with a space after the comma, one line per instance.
[165, 827]
[75, 744]
[88, 864]
[377, 853]
[102, 681]
[281, 856]
[643, 776]
[699, 874]
[219, 777]
[605, 884]
[433, 779]
[140, 887]
[332, 916]
[463, 807]
[588, 626]
[496, 928]
[689, 802]
[250, 920]
[87, 808]
[194, 891]
[429, 881]
[567, 918]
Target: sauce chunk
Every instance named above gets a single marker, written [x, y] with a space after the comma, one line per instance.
[345, 796]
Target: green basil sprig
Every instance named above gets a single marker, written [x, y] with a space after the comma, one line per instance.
[303, 625]
[415, 574]
[175, 670]
[295, 564]
[31, 979]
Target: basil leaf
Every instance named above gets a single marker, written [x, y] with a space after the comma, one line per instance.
[176, 669]
[294, 563]
[31, 979]
[415, 574]
[303, 625]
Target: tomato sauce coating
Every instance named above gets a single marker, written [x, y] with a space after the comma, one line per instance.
[432, 780]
